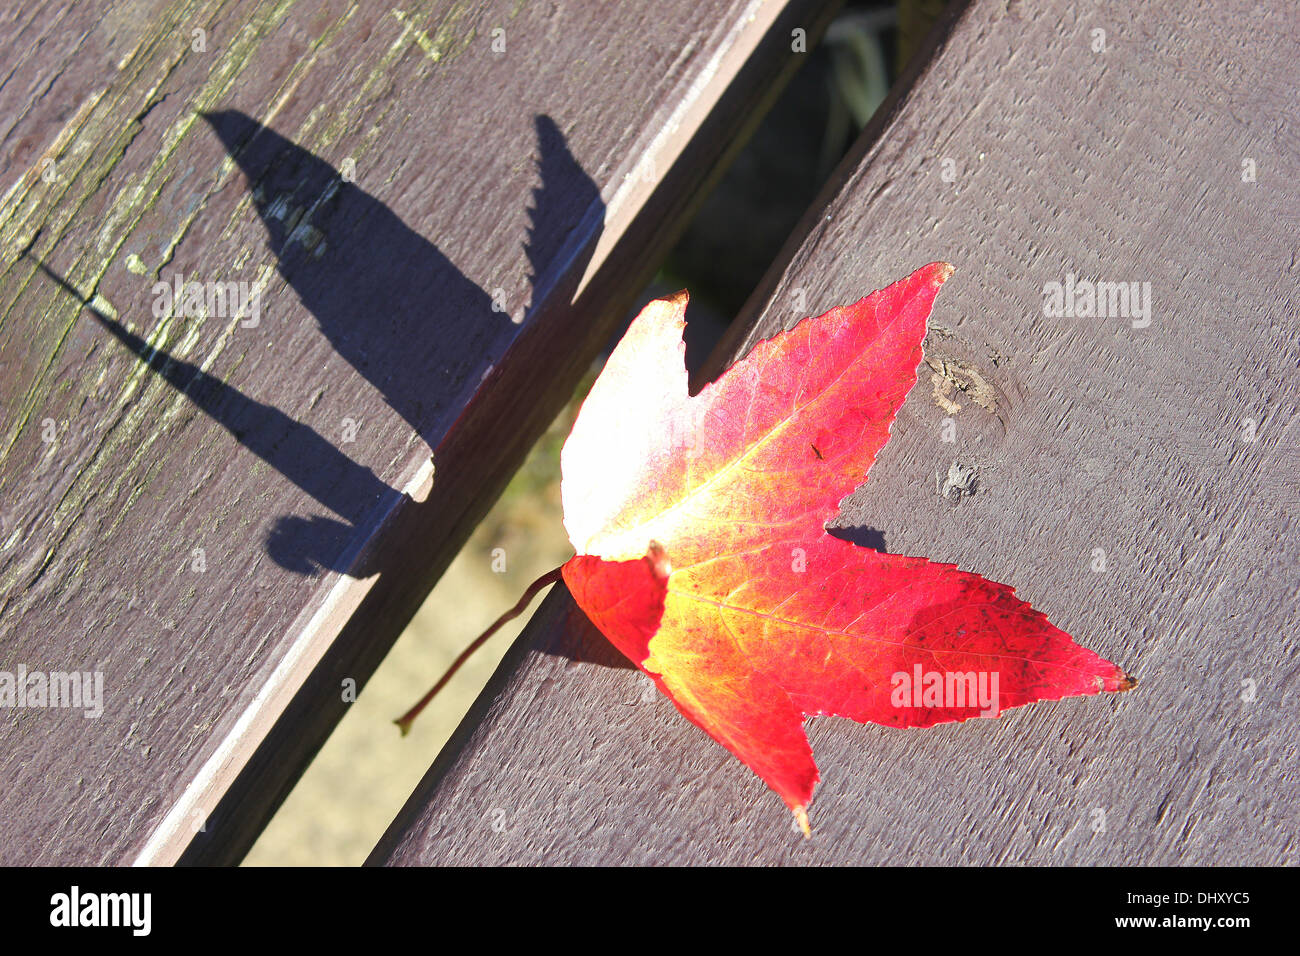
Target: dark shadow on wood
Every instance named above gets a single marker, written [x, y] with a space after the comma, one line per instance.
[581, 642]
[864, 536]
[297, 451]
[390, 303]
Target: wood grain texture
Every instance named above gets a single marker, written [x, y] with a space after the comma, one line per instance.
[228, 520]
[1089, 437]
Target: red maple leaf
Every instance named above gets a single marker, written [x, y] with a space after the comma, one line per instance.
[703, 554]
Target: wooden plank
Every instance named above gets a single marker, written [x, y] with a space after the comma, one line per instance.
[225, 519]
[1090, 437]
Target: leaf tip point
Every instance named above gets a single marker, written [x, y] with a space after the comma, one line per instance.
[801, 815]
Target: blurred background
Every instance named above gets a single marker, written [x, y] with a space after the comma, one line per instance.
[366, 770]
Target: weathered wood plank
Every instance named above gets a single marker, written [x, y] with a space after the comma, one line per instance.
[445, 209]
[1091, 437]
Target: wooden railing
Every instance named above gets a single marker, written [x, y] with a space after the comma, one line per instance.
[438, 215]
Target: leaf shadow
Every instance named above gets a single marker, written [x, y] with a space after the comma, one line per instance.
[580, 641]
[389, 302]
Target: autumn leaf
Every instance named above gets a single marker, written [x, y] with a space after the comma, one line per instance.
[702, 552]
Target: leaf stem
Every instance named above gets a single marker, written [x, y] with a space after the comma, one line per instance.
[546, 580]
